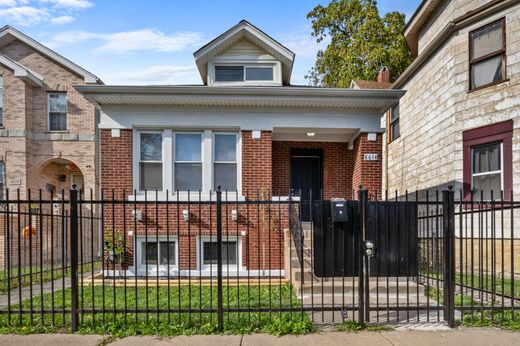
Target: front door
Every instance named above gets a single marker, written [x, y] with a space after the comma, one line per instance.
[306, 178]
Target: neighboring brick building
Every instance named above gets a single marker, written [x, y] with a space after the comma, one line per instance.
[246, 129]
[47, 142]
[48, 129]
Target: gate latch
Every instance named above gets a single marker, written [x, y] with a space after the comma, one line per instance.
[369, 247]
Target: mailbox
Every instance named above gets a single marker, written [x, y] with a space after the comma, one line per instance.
[339, 210]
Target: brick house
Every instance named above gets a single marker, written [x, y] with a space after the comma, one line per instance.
[48, 129]
[458, 123]
[247, 129]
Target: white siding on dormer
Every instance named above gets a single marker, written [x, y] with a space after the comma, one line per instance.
[245, 49]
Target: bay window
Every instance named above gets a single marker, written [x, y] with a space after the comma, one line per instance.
[150, 161]
[188, 162]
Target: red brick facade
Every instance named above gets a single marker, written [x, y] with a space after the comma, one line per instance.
[265, 170]
[368, 174]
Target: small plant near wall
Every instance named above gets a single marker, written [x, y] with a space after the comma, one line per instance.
[114, 246]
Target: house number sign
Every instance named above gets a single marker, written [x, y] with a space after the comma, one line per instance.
[370, 157]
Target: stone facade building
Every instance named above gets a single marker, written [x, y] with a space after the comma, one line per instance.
[48, 129]
[459, 122]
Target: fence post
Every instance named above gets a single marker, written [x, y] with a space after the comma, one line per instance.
[448, 210]
[220, 312]
[361, 258]
[74, 257]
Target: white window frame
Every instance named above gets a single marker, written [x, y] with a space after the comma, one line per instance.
[137, 156]
[275, 65]
[213, 267]
[141, 239]
[213, 161]
[174, 161]
[49, 111]
[501, 171]
[168, 160]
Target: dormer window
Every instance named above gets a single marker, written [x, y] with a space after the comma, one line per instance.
[243, 73]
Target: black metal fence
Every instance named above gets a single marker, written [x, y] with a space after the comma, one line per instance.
[222, 260]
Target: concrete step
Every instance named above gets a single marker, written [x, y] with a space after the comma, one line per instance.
[348, 299]
[338, 286]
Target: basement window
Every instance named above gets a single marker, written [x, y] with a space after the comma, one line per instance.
[488, 55]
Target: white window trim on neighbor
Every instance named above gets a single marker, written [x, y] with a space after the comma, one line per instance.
[152, 268]
[213, 267]
[168, 160]
[275, 65]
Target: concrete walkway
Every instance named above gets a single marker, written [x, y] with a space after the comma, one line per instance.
[470, 337]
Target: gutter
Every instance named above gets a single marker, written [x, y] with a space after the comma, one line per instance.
[452, 27]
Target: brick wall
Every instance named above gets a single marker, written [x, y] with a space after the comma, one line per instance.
[368, 173]
[337, 167]
[116, 163]
[256, 163]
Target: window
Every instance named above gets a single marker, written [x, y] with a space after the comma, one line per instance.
[394, 130]
[229, 73]
[229, 252]
[2, 179]
[188, 161]
[150, 161]
[1, 102]
[57, 112]
[151, 254]
[488, 55]
[225, 162]
[243, 73]
[488, 162]
[259, 73]
[486, 175]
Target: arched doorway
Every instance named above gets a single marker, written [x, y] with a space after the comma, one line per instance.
[57, 175]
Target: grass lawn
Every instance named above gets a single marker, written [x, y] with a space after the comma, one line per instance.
[153, 323]
[39, 274]
[480, 317]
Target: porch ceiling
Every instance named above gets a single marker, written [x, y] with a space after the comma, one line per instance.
[312, 134]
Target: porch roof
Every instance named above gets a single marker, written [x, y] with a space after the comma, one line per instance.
[202, 96]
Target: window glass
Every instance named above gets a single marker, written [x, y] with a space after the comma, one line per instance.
[259, 73]
[58, 112]
[486, 72]
[167, 252]
[188, 147]
[150, 167]
[486, 40]
[151, 147]
[229, 73]
[149, 253]
[225, 147]
[487, 171]
[225, 167]
[229, 252]
[188, 161]
[486, 158]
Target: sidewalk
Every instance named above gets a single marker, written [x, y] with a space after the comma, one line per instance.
[471, 337]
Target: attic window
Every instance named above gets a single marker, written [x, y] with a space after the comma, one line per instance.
[243, 73]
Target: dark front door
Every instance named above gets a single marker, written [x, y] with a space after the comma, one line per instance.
[306, 178]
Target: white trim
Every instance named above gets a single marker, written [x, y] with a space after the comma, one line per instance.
[213, 267]
[174, 159]
[137, 160]
[21, 71]
[246, 63]
[152, 268]
[237, 159]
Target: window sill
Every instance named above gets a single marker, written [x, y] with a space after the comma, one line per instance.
[192, 197]
[58, 131]
[488, 86]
